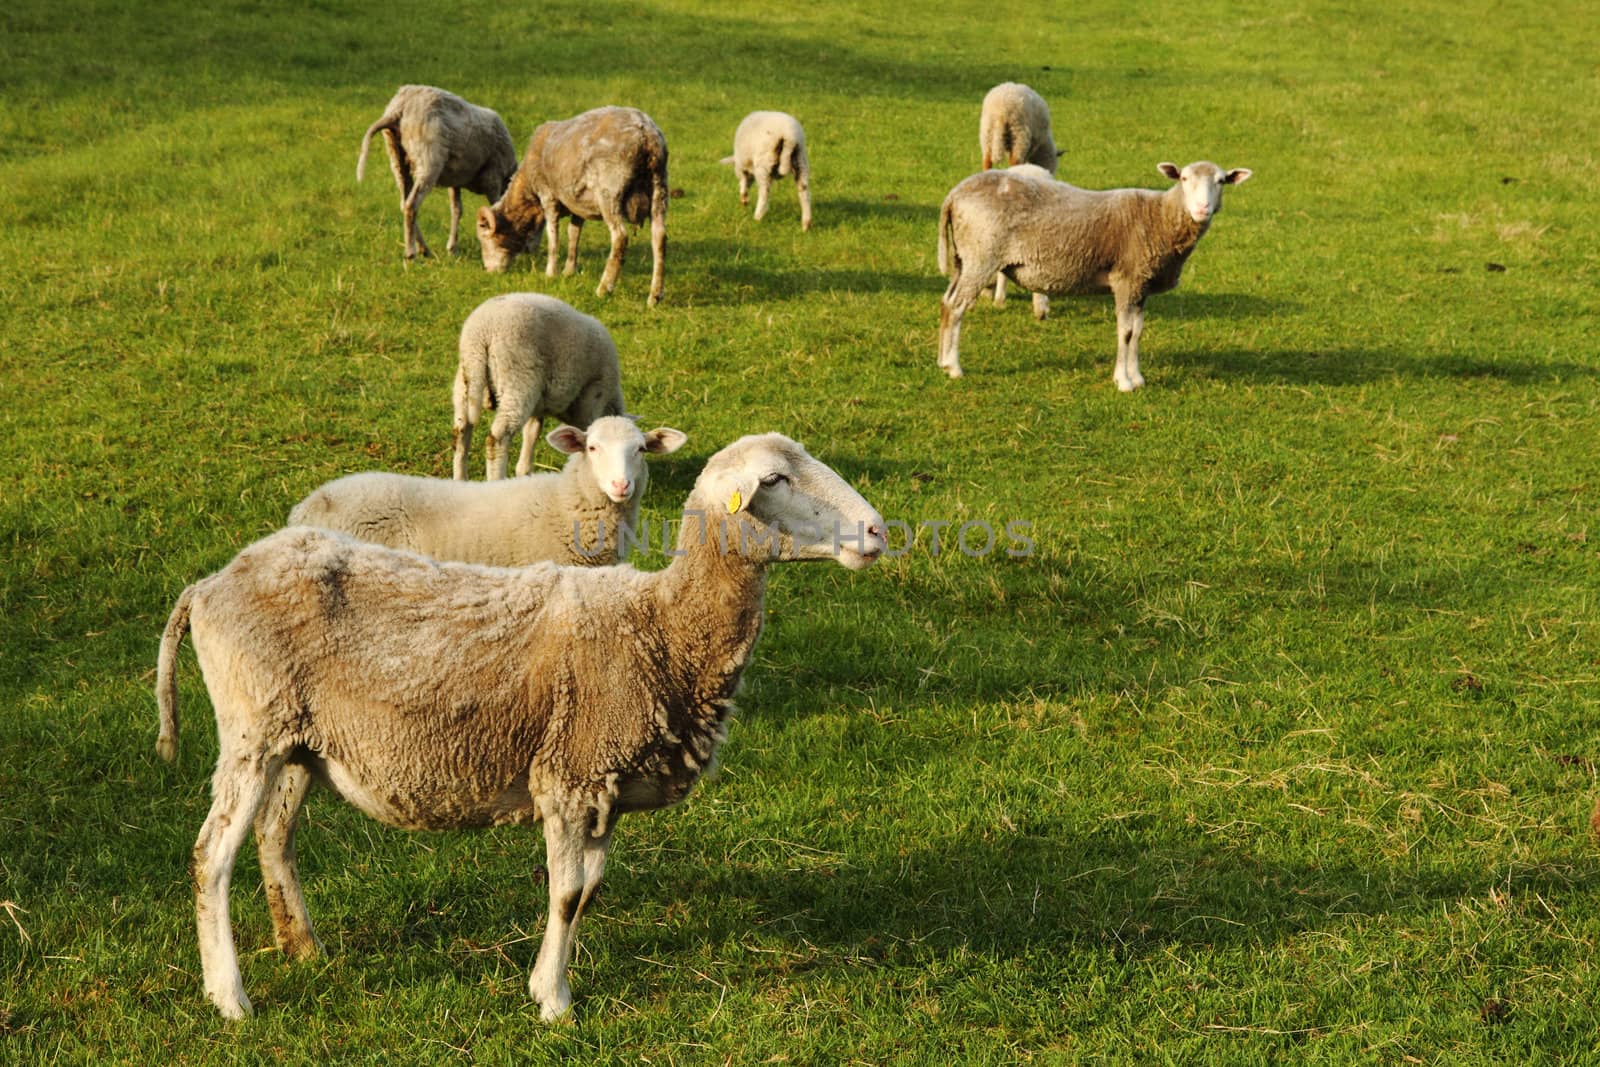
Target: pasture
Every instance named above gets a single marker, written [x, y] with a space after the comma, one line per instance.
[1281, 742]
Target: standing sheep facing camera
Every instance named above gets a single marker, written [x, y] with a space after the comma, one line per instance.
[437, 138]
[528, 355]
[609, 164]
[1057, 239]
[584, 514]
[1014, 127]
[766, 145]
[444, 696]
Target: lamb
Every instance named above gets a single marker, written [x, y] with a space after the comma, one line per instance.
[1014, 127]
[1054, 238]
[584, 515]
[771, 144]
[609, 164]
[528, 355]
[437, 138]
[446, 696]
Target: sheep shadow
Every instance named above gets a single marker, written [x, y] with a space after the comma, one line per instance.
[1356, 366]
[838, 214]
[741, 282]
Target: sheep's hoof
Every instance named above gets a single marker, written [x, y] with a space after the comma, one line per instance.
[954, 372]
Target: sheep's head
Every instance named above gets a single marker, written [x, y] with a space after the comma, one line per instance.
[501, 239]
[615, 450]
[767, 498]
[1202, 184]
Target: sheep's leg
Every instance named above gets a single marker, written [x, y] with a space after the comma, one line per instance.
[619, 246]
[280, 875]
[763, 189]
[574, 228]
[415, 245]
[802, 181]
[462, 426]
[1130, 324]
[552, 238]
[455, 220]
[1000, 289]
[530, 439]
[594, 865]
[498, 444]
[658, 241]
[564, 840]
[237, 789]
[1041, 306]
[744, 187]
[961, 295]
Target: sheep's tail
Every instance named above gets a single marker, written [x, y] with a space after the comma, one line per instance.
[726, 161]
[946, 235]
[167, 675]
[390, 121]
[785, 158]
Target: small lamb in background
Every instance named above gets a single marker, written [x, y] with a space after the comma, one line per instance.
[609, 164]
[528, 355]
[583, 515]
[771, 144]
[1057, 239]
[1014, 127]
[437, 138]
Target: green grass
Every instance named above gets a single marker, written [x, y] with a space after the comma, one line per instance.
[1281, 745]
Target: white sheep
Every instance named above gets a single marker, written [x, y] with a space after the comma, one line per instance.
[437, 138]
[439, 696]
[608, 164]
[1057, 239]
[585, 514]
[1014, 127]
[528, 355]
[766, 145]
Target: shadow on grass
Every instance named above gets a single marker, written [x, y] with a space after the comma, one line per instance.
[1355, 366]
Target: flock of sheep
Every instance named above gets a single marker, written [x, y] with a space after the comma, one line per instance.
[447, 654]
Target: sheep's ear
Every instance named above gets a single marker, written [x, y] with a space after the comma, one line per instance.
[486, 219]
[568, 439]
[664, 439]
[1237, 175]
[741, 489]
[1171, 170]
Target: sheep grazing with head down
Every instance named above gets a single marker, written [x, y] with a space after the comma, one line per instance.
[585, 514]
[1057, 239]
[528, 355]
[1014, 127]
[439, 696]
[608, 164]
[767, 145]
[437, 138]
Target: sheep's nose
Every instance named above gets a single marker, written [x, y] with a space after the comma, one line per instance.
[620, 488]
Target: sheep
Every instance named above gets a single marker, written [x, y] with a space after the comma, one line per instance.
[1041, 303]
[609, 164]
[585, 514]
[528, 355]
[437, 138]
[1054, 238]
[446, 696]
[1014, 127]
[771, 144]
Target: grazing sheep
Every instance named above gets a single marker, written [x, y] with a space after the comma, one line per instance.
[437, 138]
[1014, 127]
[528, 355]
[440, 696]
[1057, 239]
[585, 514]
[771, 144]
[610, 164]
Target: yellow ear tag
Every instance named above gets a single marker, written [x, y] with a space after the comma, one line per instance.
[734, 501]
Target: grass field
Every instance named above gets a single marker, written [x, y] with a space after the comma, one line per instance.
[1280, 746]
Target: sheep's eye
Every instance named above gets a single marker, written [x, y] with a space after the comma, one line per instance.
[592, 448]
[774, 479]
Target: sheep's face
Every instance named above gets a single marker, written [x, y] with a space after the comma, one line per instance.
[780, 503]
[500, 239]
[615, 449]
[1202, 184]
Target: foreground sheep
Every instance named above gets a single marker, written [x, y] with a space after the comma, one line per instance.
[609, 164]
[1057, 239]
[446, 696]
[771, 144]
[528, 355]
[1014, 127]
[584, 514]
[437, 138]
